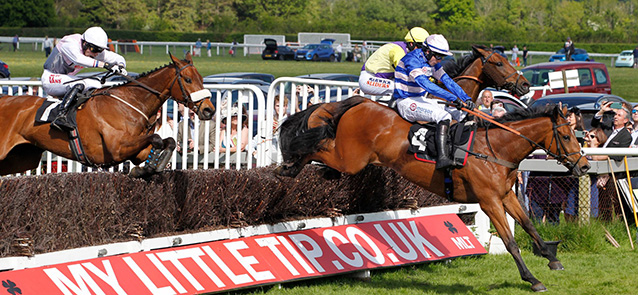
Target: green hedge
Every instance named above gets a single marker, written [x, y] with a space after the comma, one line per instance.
[239, 37]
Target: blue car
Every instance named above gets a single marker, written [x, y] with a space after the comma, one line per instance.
[317, 52]
[4, 70]
[579, 55]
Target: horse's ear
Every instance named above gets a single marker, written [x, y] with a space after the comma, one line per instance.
[189, 58]
[480, 50]
[173, 58]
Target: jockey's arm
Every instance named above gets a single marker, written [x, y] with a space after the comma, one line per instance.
[434, 89]
[442, 76]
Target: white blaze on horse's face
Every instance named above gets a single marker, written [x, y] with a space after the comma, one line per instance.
[200, 94]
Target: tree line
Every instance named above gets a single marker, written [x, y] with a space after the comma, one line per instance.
[520, 21]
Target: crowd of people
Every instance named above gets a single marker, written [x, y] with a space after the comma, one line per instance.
[550, 193]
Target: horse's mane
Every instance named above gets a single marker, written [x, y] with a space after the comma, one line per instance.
[454, 69]
[153, 70]
[523, 114]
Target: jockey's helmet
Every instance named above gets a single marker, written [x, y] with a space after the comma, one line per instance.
[438, 44]
[416, 35]
[96, 36]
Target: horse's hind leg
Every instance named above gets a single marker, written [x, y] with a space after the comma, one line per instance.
[494, 209]
[513, 207]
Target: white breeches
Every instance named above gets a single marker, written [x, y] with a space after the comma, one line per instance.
[60, 84]
[424, 109]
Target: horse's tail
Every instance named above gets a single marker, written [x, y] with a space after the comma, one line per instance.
[296, 140]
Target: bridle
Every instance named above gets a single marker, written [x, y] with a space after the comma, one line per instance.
[178, 74]
[561, 154]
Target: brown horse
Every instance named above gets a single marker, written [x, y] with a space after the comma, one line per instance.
[115, 124]
[349, 135]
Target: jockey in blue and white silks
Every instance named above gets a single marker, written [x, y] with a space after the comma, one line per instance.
[413, 80]
[377, 73]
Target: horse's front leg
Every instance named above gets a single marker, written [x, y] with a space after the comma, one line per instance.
[155, 154]
[495, 211]
[513, 207]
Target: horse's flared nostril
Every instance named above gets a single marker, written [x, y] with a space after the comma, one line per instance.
[585, 168]
[207, 113]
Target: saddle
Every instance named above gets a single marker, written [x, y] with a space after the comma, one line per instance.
[423, 146]
[49, 110]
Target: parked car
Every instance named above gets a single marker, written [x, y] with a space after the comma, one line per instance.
[245, 75]
[579, 55]
[4, 70]
[274, 51]
[316, 52]
[593, 77]
[588, 103]
[510, 102]
[625, 59]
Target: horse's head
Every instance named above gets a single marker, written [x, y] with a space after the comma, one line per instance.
[563, 146]
[191, 91]
[499, 70]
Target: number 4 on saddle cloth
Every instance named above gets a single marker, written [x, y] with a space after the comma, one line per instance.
[49, 110]
[422, 142]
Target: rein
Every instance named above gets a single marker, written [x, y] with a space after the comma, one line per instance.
[562, 152]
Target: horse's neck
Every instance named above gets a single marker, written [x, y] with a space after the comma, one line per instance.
[514, 148]
[147, 101]
[470, 86]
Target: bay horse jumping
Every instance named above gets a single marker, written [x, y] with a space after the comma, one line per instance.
[115, 124]
[349, 135]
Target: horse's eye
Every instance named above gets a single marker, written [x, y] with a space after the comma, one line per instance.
[500, 64]
[566, 137]
[188, 80]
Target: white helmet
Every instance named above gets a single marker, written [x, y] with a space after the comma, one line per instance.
[96, 36]
[438, 44]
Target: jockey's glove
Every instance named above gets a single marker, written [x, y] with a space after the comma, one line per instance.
[470, 105]
[116, 68]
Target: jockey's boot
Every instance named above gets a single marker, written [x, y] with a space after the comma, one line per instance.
[443, 160]
[61, 122]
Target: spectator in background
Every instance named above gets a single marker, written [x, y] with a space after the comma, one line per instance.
[525, 55]
[377, 74]
[47, 44]
[164, 130]
[232, 48]
[339, 51]
[575, 120]
[356, 53]
[364, 51]
[484, 101]
[515, 60]
[198, 47]
[190, 135]
[208, 47]
[617, 133]
[569, 49]
[634, 131]
[635, 57]
[237, 140]
[16, 40]
[495, 104]
[498, 111]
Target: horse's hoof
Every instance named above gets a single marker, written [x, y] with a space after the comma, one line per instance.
[539, 287]
[556, 265]
[279, 170]
[137, 172]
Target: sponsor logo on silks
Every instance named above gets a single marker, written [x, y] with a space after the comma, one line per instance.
[55, 79]
[413, 107]
[382, 83]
